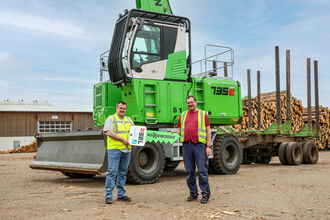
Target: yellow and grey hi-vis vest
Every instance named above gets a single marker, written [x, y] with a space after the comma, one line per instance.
[201, 126]
[121, 128]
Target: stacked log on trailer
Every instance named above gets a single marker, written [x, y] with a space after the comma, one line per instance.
[268, 112]
[324, 141]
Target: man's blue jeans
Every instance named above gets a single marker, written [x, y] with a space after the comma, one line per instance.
[195, 154]
[117, 169]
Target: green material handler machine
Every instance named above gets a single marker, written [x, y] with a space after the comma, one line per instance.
[149, 66]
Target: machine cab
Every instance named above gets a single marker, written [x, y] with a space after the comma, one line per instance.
[149, 45]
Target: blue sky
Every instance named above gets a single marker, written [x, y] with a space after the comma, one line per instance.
[49, 49]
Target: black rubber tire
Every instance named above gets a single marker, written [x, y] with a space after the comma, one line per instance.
[147, 164]
[297, 154]
[294, 154]
[227, 156]
[310, 152]
[171, 165]
[247, 159]
[78, 175]
[282, 153]
[264, 159]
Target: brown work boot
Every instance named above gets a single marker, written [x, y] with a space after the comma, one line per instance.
[124, 199]
[192, 197]
[108, 201]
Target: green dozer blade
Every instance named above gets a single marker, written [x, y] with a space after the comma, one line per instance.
[74, 152]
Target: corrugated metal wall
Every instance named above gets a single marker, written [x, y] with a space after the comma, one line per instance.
[25, 123]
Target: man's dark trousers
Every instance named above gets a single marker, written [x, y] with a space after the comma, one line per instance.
[194, 154]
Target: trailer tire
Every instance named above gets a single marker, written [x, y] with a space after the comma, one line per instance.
[171, 165]
[310, 152]
[282, 153]
[227, 156]
[78, 175]
[146, 164]
[246, 158]
[264, 159]
[294, 153]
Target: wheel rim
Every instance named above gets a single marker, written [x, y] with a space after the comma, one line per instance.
[297, 153]
[147, 159]
[230, 154]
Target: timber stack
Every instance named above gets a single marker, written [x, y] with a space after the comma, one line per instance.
[323, 142]
[268, 112]
[32, 147]
[299, 116]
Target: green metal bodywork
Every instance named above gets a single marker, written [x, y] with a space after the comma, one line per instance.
[160, 6]
[163, 101]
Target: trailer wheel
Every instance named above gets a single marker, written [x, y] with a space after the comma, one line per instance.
[147, 164]
[171, 165]
[246, 158]
[294, 154]
[282, 153]
[310, 152]
[264, 159]
[78, 175]
[227, 156]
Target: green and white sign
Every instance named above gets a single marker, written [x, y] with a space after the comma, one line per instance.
[161, 137]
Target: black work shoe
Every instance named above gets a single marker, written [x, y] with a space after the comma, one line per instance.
[108, 201]
[192, 197]
[124, 199]
[205, 199]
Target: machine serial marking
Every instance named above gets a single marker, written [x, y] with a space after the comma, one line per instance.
[223, 91]
[158, 3]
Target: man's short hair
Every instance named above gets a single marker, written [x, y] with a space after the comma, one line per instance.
[123, 103]
[191, 97]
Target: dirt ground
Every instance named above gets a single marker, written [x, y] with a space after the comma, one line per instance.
[257, 191]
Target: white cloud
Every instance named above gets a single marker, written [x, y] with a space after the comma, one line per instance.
[43, 24]
[4, 56]
[68, 79]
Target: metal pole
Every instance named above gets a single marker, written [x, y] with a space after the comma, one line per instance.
[225, 69]
[278, 92]
[288, 95]
[249, 97]
[258, 93]
[309, 108]
[316, 81]
[214, 66]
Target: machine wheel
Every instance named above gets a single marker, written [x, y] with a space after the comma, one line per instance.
[78, 175]
[171, 165]
[147, 164]
[310, 152]
[282, 153]
[246, 158]
[227, 156]
[264, 159]
[294, 154]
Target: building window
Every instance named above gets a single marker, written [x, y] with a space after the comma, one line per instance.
[54, 126]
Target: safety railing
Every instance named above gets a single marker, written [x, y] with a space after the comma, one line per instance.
[218, 65]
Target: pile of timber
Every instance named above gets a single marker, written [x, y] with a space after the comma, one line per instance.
[324, 113]
[32, 147]
[268, 112]
[299, 116]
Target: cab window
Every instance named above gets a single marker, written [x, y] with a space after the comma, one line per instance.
[146, 47]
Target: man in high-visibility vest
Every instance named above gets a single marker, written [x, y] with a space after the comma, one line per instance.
[194, 128]
[117, 128]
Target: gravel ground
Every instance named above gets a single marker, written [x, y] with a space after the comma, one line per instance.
[257, 191]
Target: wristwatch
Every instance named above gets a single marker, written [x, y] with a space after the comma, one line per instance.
[208, 146]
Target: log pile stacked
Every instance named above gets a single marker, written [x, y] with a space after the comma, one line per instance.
[268, 112]
[33, 147]
[324, 141]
